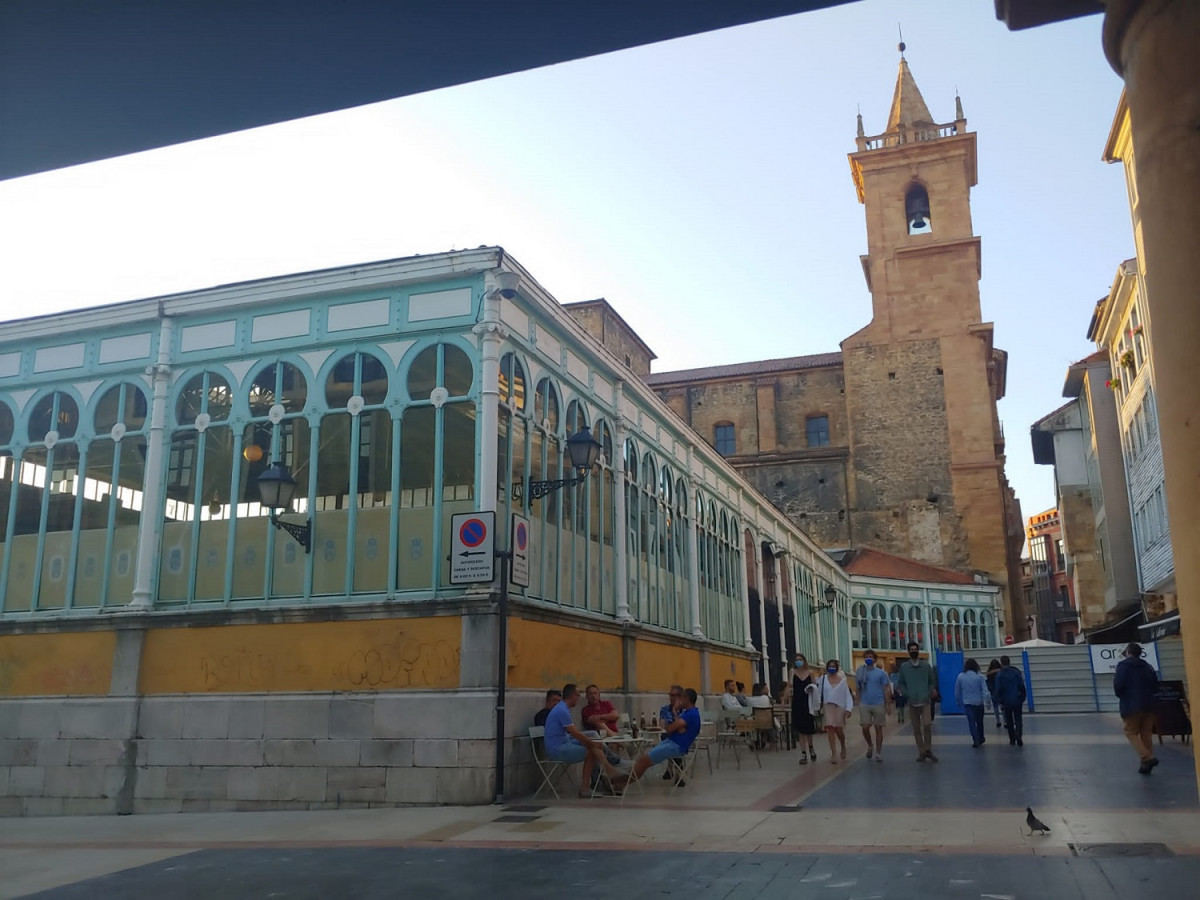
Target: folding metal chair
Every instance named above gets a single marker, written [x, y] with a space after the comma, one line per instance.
[551, 769]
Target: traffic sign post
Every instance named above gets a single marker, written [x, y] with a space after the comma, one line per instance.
[519, 538]
[472, 548]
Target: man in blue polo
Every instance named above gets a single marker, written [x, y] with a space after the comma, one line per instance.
[874, 702]
[566, 743]
[676, 741]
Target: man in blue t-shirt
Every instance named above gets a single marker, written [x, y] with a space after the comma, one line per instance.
[676, 741]
[566, 743]
[874, 702]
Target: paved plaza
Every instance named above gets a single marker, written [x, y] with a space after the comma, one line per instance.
[861, 829]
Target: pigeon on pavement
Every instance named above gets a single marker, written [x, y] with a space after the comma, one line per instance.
[1034, 823]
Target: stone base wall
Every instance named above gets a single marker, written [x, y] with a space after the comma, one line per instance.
[255, 752]
[249, 752]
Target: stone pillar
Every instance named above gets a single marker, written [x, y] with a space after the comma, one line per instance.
[621, 524]
[1152, 45]
[150, 532]
[765, 664]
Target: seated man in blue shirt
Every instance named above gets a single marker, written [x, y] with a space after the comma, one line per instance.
[566, 743]
[676, 742]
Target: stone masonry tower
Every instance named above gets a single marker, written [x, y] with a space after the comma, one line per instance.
[922, 379]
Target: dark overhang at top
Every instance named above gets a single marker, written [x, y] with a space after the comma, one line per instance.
[82, 80]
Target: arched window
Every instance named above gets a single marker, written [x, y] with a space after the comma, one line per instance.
[512, 382]
[351, 515]
[916, 210]
[859, 633]
[916, 630]
[939, 630]
[878, 626]
[896, 628]
[8, 471]
[971, 630]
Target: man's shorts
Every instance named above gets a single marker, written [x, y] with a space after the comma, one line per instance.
[664, 750]
[872, 715]
[570, 752]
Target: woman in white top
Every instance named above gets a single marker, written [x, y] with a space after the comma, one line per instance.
[836, 703]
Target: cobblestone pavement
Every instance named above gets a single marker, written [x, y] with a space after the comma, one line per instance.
[855, 829]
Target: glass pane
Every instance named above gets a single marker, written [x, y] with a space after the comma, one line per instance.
[124, 403]
[458, 451]
[6, 426]
[422, 374]
[56, 412]
[339, 386]
[205, 393]
[278, 380]
[373, 380]
[414, 553]
[459, 375]
[373, 524]
[65, 488]
[512, 382]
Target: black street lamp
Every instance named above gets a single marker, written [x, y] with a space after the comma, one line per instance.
[583, 451]
[830, 600]
[276, 487]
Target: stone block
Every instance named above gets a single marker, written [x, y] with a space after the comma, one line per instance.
[18, 752]
[53, 752]
[11, 807]
[87, 752]
[206, 718]
[151, 783]
[43, 806]
[350, 798]
[193, 783]
[479, 754]
[39, 719]
[464, 786]
[351, 718]
[74, 781]
[97, 719]
[225, 753]
[466, 716]
[161, 717]
[210, 806]
[386, 753]
[342, 779]
[246, 718]
[115, 778]
[10, 717]
[164, 753]
[435, 754]
[251, 783]
[410, 786]
[296, 718]
[301, 783]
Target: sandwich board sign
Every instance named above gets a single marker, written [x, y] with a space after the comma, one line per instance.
[520, 537]
[472, 548]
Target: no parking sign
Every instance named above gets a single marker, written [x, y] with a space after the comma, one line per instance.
[472, 551]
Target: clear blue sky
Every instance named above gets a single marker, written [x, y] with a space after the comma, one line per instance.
[700, 185]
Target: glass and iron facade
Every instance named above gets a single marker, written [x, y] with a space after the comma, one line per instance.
[397, 394]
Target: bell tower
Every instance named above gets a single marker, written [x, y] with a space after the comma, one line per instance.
[922, 378]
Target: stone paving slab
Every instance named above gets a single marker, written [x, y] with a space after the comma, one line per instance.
[469, 874]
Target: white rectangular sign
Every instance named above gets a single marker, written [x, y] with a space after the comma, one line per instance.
[472, 548]
[521, 538]
[1106, 656]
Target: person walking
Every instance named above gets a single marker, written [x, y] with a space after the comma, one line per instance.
[804, 721]
[1010, 694]
[970, 690]
[993, 668]
[1134, 683]
[917, 684]
[836, 704]
[874, 702]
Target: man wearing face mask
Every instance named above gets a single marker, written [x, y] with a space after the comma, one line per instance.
[917, 684]
[874, 702]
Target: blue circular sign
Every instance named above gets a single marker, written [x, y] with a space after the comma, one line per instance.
[522, 536]
[472, 533]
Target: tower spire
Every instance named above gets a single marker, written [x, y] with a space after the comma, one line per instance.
[908, 106]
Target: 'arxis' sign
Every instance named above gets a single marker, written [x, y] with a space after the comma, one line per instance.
[1106, 656]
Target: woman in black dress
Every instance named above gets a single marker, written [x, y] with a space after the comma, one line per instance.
[803, 722]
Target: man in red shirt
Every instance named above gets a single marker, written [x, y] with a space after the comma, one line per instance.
[599, 715]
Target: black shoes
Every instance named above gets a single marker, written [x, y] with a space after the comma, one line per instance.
[1020, 743]
[1148, 766]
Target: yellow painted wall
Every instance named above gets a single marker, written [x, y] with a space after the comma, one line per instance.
[314, 656]
[721, 667]
[542, 655]
[33, 665]
[660, 665]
